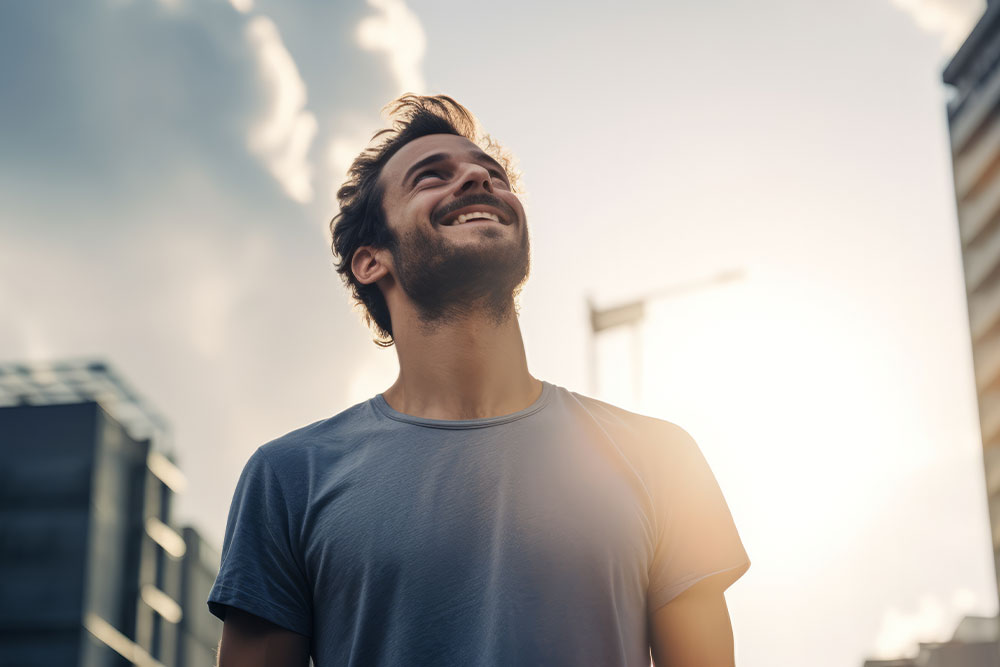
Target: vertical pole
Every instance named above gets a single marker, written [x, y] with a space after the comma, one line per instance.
[637, 364]
[591, 349]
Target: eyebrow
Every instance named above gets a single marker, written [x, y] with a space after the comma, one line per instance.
[477, 156]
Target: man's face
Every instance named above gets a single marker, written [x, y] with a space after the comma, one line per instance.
[461, 236]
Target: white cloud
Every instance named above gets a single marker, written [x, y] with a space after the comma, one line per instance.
[204, 305]
[342, 151]
[397, 32]
[35, 345]
[932, 621]
[283, 138]
[372, 375]
[354, 131]
[951, 20]
[211, 306]
[242, 6]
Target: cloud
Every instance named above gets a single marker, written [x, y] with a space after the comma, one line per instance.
[215, 288]
[951, 20]
[211, 308]
[371, 376]
[35, 345]
[171, 5]
[283, 138]
[341, 153]
[397, 32]
[242, 6]
[354, 132]
[932, 621]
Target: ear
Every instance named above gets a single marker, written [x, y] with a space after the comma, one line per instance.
[369, 264]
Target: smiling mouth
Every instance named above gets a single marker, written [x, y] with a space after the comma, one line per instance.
[475, 216]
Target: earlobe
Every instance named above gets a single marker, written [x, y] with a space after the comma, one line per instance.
[367, 266]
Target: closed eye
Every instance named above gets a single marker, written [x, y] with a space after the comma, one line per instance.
[434, 173]
[499, 174]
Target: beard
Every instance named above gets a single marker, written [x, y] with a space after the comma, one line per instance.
[448, 282]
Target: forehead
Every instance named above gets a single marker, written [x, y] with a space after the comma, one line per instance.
[418, 149]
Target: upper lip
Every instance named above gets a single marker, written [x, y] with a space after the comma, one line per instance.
[472, 208]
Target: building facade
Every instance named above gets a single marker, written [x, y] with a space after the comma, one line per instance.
[973, 644]
[94, 572]
[974, 124]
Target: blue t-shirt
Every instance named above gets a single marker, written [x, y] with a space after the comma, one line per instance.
[542, 537]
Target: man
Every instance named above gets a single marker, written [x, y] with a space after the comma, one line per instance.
[471, 514]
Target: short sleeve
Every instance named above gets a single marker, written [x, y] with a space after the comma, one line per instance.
[260, 571]
[696, 536]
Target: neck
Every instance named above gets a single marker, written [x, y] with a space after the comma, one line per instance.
[468, 368]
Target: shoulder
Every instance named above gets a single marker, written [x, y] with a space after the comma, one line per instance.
[332, 432]
[298, 453]
[657, 450]
[629, 427]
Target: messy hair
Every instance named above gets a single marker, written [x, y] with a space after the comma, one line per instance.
[361, 220]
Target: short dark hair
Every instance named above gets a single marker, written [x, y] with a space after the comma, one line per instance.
[361, 220]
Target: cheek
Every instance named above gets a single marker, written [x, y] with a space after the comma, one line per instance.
[422, 208]
[520, 210]
[511, 200]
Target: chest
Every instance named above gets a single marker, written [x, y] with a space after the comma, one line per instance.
[434, 512]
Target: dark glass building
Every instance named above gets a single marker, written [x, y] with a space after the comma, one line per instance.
[94, 573]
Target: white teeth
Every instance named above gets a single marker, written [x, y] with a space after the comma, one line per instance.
[465, 217]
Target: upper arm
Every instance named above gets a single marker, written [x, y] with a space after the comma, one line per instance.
[262, 569]
[695, 532]
[251, 641]
[694, 630]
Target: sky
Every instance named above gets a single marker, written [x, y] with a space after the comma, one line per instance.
[167, 176]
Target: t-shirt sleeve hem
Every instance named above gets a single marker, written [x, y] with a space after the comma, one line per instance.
[232, 597]
[657, 599]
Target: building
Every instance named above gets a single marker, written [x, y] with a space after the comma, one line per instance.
[974, 123]
[974, 644]
[95, 573]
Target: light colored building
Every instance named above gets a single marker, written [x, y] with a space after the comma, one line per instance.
[974, 122]
[974, 644]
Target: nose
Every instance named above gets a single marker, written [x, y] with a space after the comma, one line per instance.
[474, 176]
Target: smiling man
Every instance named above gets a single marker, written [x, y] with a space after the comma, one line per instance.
[470, 514]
